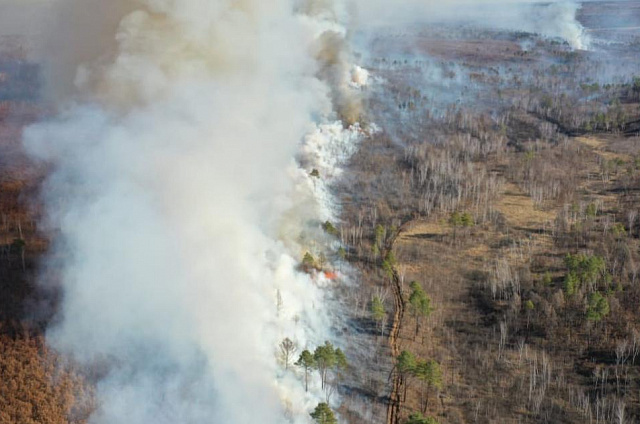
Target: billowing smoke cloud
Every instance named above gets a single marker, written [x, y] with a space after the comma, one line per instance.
[552, 19]
[332, 51]
[180, 212]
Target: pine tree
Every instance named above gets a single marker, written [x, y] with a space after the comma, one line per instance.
[419, 304]
[378, 312]
[406, 365]
[325, 358]
[330, 229]
[323, 414]
[307, 362]
[308, 262]
[598, 307]
[430, 374]
[418, 418]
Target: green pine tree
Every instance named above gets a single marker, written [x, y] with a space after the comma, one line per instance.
[430, 375]
[598, 307]
[378, 312]
[323, 414]
[419, 304]
[325, 359]
[307, 362]
[418, 418]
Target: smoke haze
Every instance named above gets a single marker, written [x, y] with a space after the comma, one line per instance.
[552, 19]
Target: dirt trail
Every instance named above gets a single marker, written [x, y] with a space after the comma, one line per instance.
[395, 401]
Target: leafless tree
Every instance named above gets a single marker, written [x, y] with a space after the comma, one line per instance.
[288, 348]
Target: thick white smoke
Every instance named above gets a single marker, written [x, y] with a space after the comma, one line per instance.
[181, 213]
[559, 20]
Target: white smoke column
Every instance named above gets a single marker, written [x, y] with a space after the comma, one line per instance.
[168, 194]
[559, 20]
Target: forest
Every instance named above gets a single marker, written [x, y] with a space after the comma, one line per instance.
[489, 220]
[495, 227]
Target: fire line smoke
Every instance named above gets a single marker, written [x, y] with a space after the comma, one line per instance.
[180, 209]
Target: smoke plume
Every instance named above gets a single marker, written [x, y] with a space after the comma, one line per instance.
[180, 213]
